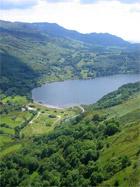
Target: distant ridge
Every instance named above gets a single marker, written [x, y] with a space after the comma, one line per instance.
[53, 29]
[104, 39]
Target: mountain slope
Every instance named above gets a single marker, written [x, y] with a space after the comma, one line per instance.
[103, 39]
[98, 148]
[53, 29]
[54, 53]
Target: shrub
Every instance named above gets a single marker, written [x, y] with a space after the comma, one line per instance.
[111, 129]
[125, 162]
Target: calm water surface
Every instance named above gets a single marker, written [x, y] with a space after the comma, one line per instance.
[76, 92]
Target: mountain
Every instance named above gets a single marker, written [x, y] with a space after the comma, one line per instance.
[53, 29]
[51, 52]
[103, 39]
[40, 146]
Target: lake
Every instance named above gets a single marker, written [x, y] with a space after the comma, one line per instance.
[75, 92]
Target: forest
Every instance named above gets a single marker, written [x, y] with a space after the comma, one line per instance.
[97, 148]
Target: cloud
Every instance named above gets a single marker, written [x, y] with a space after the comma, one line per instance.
[17, 4]
[89, 1]
[121, 1]
[25, 4]
[129, 1]
[58, 1]
[110, 16]
[135, 10]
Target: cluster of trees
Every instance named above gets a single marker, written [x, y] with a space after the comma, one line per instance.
[67, 157]
[9, 106]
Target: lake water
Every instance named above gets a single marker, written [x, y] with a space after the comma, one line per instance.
[76, 92]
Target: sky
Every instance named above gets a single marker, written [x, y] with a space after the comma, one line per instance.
[118, 17]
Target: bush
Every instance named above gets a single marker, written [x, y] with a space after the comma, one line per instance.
[111, 129]
[52, 116]
[96, 178]
[116, 183]
[125, 162]
[31, 163]
[89, 155]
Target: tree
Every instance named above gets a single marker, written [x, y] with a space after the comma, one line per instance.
[89, 155]
[96, 178]
[116, 183]
[111, 129]
[31, 163]
[75, 179]
[52, 177]
[125, 162]
[10, 178]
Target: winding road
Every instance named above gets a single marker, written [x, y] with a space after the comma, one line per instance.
[38, 114]
[59, 117]
[82, 109]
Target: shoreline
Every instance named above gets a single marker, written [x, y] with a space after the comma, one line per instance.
[59, 108]
[81, 79]
[49, 106]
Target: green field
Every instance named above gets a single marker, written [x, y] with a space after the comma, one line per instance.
[47, 120]
[29, 118]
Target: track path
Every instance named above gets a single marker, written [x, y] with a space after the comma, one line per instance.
[58, 117]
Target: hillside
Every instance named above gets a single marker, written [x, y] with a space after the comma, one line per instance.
[49, 52]
[55, 30]
[99, 147]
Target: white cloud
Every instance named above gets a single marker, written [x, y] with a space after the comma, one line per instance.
[17, 4]
[122, 1]
[106, 16]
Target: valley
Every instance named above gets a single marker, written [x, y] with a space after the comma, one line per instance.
[45, 52]
[45, 144]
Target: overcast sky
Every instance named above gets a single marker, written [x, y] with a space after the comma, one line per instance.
[118, 17]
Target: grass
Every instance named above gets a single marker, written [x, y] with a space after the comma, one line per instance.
[12, 116]
[126, 142]
[7, 130]
[123, 109]
[128, 177]
[129, 137]
[20, 100]
[131, 116]
[5, 140]
[47, 120]
[8, 124]
[43, 124]
[10, 149]
[15, 118]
